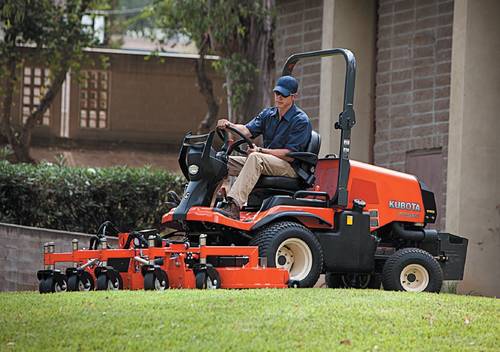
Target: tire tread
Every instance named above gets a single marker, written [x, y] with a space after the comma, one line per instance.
[391, 271]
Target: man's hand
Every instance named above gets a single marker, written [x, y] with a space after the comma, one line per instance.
[251, 150]
[223, 123]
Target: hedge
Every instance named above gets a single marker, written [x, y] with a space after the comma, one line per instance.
[80, 199]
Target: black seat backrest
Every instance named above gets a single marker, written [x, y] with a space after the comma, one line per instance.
[314, 143]
[306, 170]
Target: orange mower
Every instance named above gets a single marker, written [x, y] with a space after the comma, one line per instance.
[361, 225]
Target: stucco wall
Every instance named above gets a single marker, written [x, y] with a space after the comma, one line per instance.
[21, 253]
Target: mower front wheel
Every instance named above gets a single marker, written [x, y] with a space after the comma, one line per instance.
[51, 285]
[204, 281]
[412, 269]
[82, 282]
[111, 282]
[291, 246]
[156, 280]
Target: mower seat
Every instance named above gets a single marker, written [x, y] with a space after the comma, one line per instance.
[289, 183]
[305, 165]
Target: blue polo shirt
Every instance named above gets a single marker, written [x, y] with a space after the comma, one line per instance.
[292, 132]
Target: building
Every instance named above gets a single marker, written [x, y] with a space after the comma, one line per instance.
[133, 110]
[427, 102]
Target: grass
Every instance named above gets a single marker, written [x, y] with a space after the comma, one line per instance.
[257, 320]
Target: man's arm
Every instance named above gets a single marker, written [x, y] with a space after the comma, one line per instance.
[223, 123]
[280, 153]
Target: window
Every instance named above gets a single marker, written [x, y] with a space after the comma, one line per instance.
[35, 82]
[94, 93]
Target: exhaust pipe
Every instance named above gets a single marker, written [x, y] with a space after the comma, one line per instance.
[424, 235]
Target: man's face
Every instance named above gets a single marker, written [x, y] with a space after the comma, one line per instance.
[281, 102]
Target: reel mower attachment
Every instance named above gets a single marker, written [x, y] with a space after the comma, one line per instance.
[149, 265]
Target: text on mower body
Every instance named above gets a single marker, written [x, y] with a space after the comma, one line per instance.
[396, 204]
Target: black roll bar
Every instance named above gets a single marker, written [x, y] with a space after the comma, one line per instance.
[347, 118]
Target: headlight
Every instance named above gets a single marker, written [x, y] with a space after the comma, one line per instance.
[193, 169]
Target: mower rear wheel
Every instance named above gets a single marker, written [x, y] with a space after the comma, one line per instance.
[104, 283]
[413, 270]
[353, 280]
[83, 282]
[203, 280]
[156, 280]
[291, 246]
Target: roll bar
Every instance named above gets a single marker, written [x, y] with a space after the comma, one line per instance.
[347, 118]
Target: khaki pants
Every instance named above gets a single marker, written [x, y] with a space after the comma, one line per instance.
[248, 169]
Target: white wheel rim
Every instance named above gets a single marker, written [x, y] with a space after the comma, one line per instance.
[60, 288]
[414, 278]
[159, 285]
[211, 285]
[113, 285]
[87, 285]
[298, 258]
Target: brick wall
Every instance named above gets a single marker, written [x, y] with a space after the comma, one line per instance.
[413, 82]
[298, 29]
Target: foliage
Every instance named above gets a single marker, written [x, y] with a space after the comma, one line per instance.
[79, 199]
[46, 32]
[238, 31]
[248, 320]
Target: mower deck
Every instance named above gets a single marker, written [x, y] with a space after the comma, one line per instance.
[183, 266]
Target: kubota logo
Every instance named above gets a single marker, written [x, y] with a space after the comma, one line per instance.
[396, 204]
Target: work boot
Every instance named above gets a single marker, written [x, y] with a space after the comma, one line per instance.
[229, 209]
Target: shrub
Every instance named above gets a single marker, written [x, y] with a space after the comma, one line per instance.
[80, 199]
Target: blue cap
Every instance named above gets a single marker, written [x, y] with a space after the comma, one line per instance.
[286, 85]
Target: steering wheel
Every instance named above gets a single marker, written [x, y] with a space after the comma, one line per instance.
[222, 133]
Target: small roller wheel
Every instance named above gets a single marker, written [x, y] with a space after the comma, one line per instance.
[51, 285]
[105, 282]
[45, 285]
[203, 280]
[83, 282]
[156, 280]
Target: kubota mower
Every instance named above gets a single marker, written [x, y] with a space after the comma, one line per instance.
[360, 224]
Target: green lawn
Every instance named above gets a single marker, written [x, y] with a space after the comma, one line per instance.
[258, 320]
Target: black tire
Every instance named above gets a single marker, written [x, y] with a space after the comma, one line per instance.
[353, 280]
[156, 280]
[111, 282]
[412, 269]
[274, 237]
[83, 282]
[45, 285]
[51, 285]
[73, 282]
[203, 281]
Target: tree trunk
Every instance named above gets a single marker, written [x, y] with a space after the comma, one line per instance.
[260, 52]
[8, 130]
[206, 89]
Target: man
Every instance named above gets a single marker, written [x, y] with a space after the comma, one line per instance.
[285, 129]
